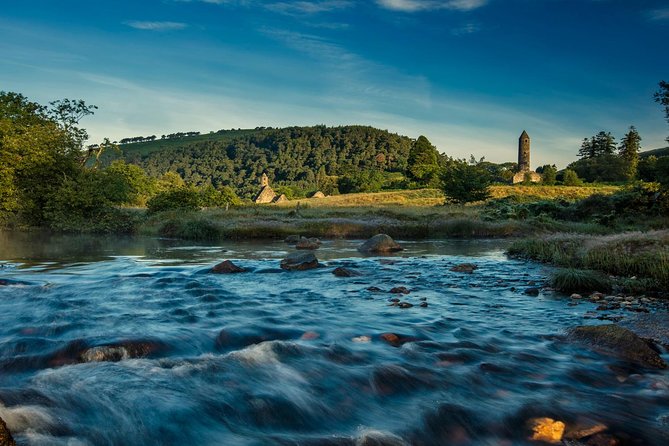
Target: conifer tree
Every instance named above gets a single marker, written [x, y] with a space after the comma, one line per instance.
[629, 149]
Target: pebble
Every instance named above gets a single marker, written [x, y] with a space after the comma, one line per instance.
[423, 304]
[576, 296]
[400, 290]
[405, 305]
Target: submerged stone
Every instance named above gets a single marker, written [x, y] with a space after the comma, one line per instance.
[547, 430]
[400, 290]
[379, 244]
[299, 261]
[620, 342]
[344, 272]
[468, 268]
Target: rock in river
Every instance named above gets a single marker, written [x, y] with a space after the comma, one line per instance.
[619, 342]
[464, 268]
[5, 436]
[299, 261]
[380, 244]
[308, 243]
[343, 272]
[227, 267]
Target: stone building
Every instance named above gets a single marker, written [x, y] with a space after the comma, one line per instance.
[266, 193]
[524, 161]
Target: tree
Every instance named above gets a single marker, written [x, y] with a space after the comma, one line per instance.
[662, 98]
[603, 168]
[629, 149]
[548, 174]
[570, 178]
[464, 182]
[603, 143]
[423, 162]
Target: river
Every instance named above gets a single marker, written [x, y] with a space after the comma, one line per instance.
[131, 341]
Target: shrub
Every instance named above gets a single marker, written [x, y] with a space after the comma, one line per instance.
[464, 182]
[184, 198]
[572, 280]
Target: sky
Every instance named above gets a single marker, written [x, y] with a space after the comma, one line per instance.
[470, 75]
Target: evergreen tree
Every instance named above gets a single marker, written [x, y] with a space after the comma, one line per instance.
[587, 149]
[629, 149]
[603, 143]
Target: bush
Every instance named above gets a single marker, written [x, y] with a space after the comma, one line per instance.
[184, 199]
[572, 280]
[570, 178]
[464, 182]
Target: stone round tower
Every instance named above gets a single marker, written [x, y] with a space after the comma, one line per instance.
[524, 152]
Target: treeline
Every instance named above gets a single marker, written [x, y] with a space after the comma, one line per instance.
[136, 139]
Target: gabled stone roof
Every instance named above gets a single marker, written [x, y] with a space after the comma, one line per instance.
[266, 195]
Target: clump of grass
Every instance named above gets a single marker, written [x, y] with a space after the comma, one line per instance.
[571, 280]
[561, 250]
[189, 227]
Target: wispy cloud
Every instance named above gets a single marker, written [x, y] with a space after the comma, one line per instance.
[156, 26]
[659, 14]
[427, 5]
[469, 28]
[308, 7]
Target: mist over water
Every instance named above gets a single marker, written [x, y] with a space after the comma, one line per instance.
[113, 341]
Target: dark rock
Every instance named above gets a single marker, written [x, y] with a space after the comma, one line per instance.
[532, 291]
[423, 304]
[405, 305]
[374, 289]
[227, 267]
[394, 299]
[299, 261]
[343, 272]
[400, 290]
[122, 350]
[308, 243]
[5, 436]
[464, 268]
[380, 243]
[390, 379]
[620, 342]
[397, 340]
[292, 239]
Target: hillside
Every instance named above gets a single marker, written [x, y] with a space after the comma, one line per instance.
[657, 152]
[297, 158]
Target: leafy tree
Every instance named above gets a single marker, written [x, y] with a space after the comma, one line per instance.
[602, 168]
[662, 98]
[464, 182]
[570, 178]
[548, 174]
[629, 149]
[127, 184]
[183, 199]
[423, 163]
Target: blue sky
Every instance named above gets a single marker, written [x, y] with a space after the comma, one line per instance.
[468, 74]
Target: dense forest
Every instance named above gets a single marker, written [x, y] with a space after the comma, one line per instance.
[297, 158]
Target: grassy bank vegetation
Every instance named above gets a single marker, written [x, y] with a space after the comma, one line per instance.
[638, 261]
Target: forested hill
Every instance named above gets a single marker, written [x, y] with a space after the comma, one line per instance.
[297, 157]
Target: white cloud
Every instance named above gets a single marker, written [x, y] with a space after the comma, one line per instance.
[659, 14]
[156, 26]
[308, 7]
[426, 5]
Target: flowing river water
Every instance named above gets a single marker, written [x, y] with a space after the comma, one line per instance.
[112, 341]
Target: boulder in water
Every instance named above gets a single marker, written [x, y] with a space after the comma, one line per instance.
[380, 244]
[299, 261]
[227, 267]
[308, 243]
[5, 436]
[400, 290]
[619, 342]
